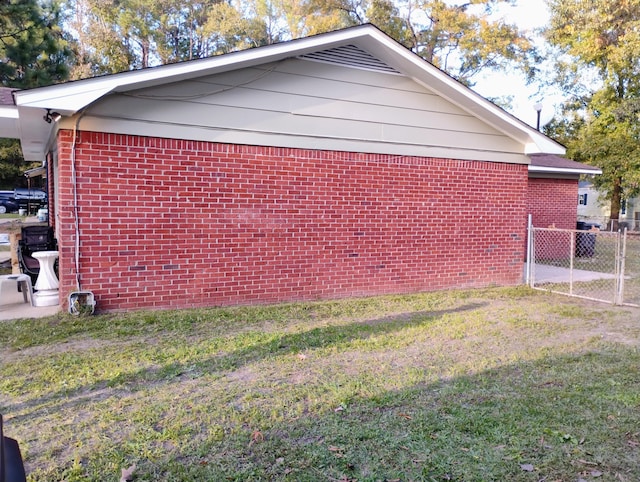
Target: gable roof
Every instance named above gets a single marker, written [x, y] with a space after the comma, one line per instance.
[363, 46]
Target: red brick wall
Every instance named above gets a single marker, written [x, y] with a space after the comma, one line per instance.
[170, 223]
[553, 202]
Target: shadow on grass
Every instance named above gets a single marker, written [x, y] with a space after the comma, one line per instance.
[571, 417]
[568, 417]
[276, 346]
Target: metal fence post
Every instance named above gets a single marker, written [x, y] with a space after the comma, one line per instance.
[572, 250]
[622, 254]
[528, 280]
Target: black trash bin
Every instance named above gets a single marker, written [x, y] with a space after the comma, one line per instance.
[585, 242]
[11, 465]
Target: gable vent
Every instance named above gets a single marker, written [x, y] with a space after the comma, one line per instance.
[350, 56]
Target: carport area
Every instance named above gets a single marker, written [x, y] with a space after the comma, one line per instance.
[12, 301]
[12, 305]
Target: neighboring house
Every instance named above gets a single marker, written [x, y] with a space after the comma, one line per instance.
[593, 209]
[331, 166]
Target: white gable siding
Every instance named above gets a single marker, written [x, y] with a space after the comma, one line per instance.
[307, 104]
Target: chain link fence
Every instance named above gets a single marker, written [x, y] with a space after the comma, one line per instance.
[632, 269]
[587, 263]
[605, 223]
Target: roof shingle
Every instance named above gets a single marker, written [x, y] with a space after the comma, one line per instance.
[558, 162]
[6, 98]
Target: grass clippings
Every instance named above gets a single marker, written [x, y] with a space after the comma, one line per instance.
[500, 384]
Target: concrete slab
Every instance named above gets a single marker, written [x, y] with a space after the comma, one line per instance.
[544, 273]
[13, 307]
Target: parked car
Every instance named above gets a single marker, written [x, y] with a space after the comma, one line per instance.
[23, 193]
[8, 203]
[30, 199]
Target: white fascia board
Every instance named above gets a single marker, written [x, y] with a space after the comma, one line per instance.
[562, 170]
[71, 97]
[8, 112]
[66, 99]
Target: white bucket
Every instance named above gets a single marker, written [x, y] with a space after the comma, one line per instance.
[22, 212]
[43, 215]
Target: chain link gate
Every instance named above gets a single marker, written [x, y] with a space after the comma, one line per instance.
[588, 264]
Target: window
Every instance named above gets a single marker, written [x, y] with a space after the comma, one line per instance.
[623, 206]
[582, 199]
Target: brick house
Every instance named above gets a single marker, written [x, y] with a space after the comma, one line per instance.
[553, 190]
[331, 166]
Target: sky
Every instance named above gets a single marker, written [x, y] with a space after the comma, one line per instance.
[528, 15]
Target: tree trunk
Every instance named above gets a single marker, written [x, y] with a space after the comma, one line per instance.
[616, 202]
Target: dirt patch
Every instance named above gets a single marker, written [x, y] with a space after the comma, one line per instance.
[71, 346]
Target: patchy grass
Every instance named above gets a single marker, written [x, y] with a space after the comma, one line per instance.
[500, 384]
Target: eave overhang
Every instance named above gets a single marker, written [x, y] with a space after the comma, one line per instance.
[72, 97]
[561, 170]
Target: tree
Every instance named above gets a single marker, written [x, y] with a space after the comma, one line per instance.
[120, 35]
[459, 37]
[33, 50]
[115, 35]
[462, 39]
[99, 49]
[12, 165]
[600, 41]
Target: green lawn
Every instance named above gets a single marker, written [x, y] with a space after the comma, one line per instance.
[485, 385]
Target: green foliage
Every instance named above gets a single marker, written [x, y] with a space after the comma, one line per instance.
[601, 44]
[610, 139]
[12, 165]
[115, 36]
[458, 37]
[120, 35]
[33, 51]
[386, 15]
[604, 35]
[98, 48]
[461, 39]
